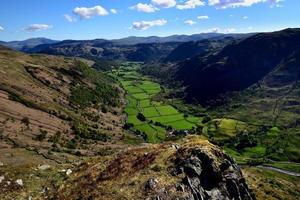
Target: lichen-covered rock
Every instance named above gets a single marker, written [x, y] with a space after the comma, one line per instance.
[206, 174]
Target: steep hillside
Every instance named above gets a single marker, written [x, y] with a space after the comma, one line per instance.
[255, 81]
[56, 104]
[191, 49]
[238, 65]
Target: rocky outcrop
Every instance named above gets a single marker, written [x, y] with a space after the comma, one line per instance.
[205, 175]
[195, 170]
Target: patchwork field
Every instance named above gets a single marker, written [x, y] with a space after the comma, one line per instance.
[158, 116]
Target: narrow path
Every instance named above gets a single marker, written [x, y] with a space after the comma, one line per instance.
[291, 173]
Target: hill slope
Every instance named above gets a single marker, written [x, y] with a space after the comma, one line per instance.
[239, 65]
[192, 49]
[50, 102]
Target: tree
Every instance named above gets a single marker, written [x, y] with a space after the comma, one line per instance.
[141, 117]
[206, 119]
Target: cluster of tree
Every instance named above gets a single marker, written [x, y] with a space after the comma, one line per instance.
[86, 132]
[103, 92]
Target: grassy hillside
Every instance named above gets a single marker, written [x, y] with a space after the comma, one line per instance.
[57, 104]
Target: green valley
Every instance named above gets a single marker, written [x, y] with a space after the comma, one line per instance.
[145, 116]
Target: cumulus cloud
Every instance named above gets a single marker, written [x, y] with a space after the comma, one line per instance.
[164, 3]
[144, 25]
[1, 28]
[87, 13]
[69, 18]
[38, 27]
[239, 3]
[142, 7]
[245, 17]
[202, 17]
[190, 22]
[113, 11]
[190, 4]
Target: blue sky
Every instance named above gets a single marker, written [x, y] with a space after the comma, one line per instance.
[90, 19]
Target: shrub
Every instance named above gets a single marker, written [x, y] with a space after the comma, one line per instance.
[40, 137]
[127, 126]
[72, 144]
[25, 120]
[84, 131]
[55, 138]
[206, 119]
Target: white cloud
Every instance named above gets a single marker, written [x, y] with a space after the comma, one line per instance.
[87, 13]
[113, 11]
[211, 30]
[1, 28]
[203, 17]
[218, 30]
[69, 18]
[147, 8]
[144, 25]
[190, 22]
[38, 27]
[239, 3]
[164, 3]
[245, 17]
[190, 4]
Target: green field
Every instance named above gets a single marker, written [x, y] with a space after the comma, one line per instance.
[140, 96]
[150, 112]
[145, 103]
[134, 120]
[159, 116]
[168, 118]
[167, 110]
[181, 125]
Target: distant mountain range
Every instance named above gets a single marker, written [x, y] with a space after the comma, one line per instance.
[37, 45]
[27, 44]
[173, 38]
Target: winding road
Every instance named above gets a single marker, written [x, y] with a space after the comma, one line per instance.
[291, 173]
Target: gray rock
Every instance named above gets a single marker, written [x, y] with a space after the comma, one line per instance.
[68, 172]
[44, 167]
[2, 178]
[19, 182]
[206, 176]
[151, 184]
